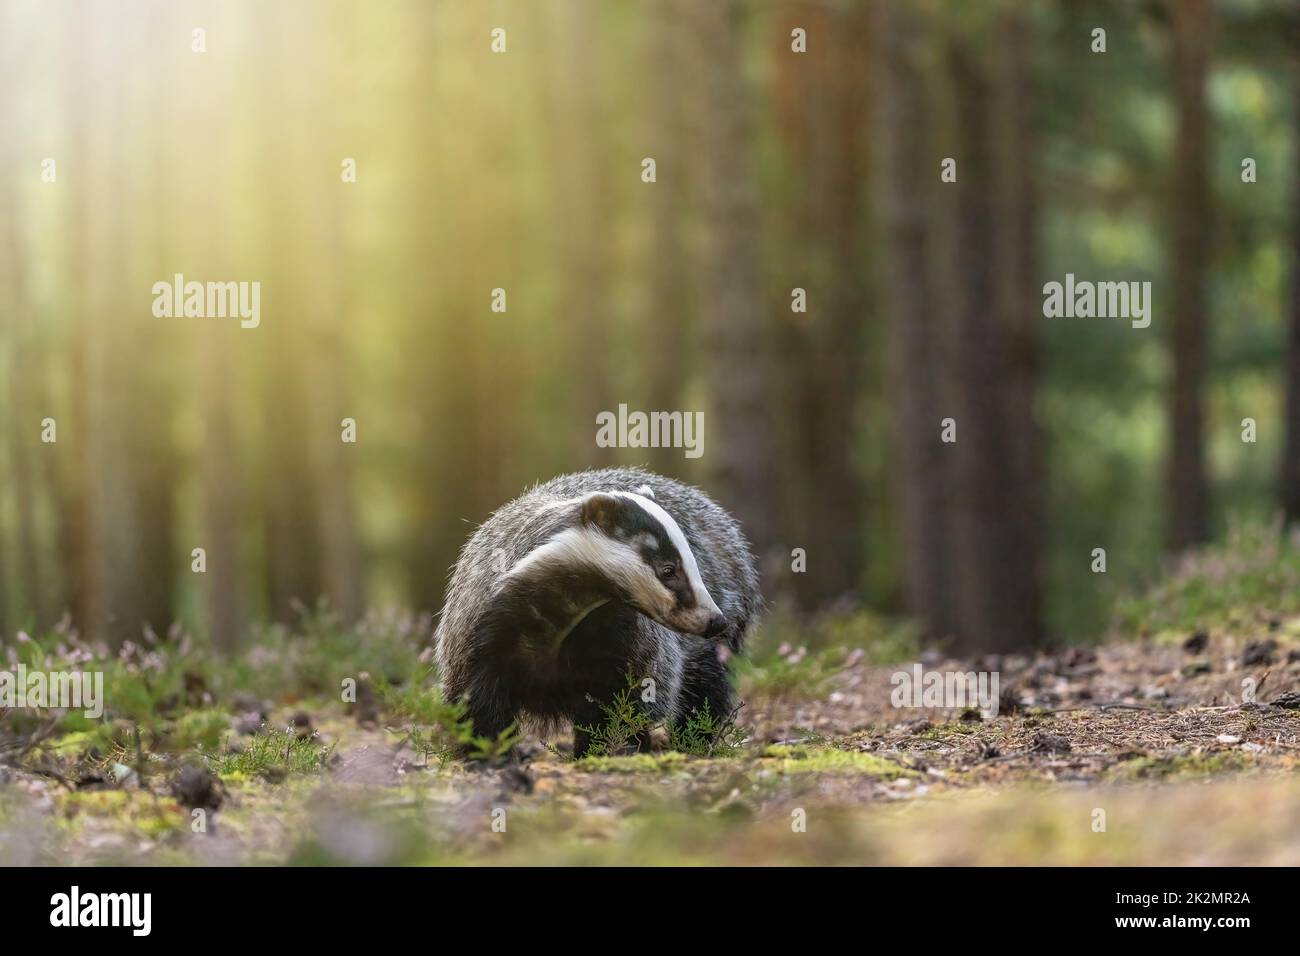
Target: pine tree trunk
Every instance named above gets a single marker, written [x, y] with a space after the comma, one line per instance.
[994, 533]
[1290, 485]
[823, 350]
[738, 343]
[1188, 492]
[925, 471]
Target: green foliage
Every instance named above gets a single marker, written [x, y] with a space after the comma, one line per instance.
[313, 658]
[801, 758]
[273, 754]
[491, 749]
[795, 658]
[626, 722]
[159, 682]
[1254, 574]
[198, 729]
[702, 734]
[796, 673]
[441, 729]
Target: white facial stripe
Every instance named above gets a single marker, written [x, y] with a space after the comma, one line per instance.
[702, 596]
[591, 548]
[566, 547]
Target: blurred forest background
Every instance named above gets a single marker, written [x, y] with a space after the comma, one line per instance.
[522, 170]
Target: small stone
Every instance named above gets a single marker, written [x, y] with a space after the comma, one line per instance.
[516, 779]
[1050, 743]
[1258, 653]
[249, 723]
[1078, 656]
[1196, 643]
[93, 781]
[366, 708]
[245, 703]
[1009, 701]
[194, 788]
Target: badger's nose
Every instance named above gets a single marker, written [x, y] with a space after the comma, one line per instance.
[717, 624]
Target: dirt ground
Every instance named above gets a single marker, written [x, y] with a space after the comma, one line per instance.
[1127, 753]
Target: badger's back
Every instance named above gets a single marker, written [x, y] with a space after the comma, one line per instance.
[522, 525]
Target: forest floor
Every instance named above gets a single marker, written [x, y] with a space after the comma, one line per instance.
[1148, 739]
[1176, 743]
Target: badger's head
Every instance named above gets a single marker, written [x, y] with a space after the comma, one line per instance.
[636, 547]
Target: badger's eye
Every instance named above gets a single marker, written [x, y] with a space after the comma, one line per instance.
[666, 571]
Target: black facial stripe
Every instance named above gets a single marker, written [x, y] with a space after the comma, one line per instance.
[635, 520]
[683, 592]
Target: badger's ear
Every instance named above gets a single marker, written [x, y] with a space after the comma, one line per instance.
[645, 491]
[600, 510]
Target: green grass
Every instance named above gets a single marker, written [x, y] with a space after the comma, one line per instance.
[1254, 573]
[439, 729]
[793, 659]
[626, 724]
[273, 754]
[174, 691]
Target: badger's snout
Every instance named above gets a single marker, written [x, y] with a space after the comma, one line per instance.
[700, 621]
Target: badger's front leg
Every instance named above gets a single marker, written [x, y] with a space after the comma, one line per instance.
[490, 713]
[581, 742]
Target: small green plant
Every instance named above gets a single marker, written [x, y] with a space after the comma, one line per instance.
[441, 729]
[704, 735]
[491, 748]
[198, 729]
[274, 754]
[626, 723]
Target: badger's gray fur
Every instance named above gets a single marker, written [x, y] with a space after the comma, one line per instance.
[587, 580]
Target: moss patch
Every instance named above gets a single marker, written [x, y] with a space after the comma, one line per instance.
[800, 758]
[634, 763]
[1181, 766]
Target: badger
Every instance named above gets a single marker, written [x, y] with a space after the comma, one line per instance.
[589, 582]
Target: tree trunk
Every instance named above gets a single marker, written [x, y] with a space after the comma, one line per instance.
[292, 500]
[665, 329]
[1020, 307]
[1291, 452]
[740, 369]
[822, 105]
[24, 410]
[113, 577]
[924, 474]
[582, 165]
[994, 547]
[1188, 493]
